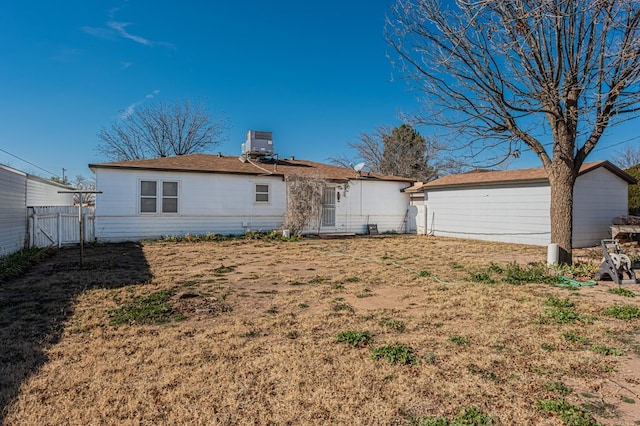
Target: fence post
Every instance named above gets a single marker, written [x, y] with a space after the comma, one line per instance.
[59, 217]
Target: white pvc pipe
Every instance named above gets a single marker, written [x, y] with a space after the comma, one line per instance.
[553, 251]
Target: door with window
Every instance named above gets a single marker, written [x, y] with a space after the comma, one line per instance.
[328, 219]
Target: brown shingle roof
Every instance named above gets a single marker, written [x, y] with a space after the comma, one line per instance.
[485, 177]
[206, 163]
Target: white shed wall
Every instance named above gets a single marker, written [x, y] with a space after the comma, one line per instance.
[207, 203]
[43, 193]
[598, 197]
[13, 210]
[493, 213]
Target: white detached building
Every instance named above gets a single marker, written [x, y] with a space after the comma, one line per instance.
[200, 193]
[514, 205]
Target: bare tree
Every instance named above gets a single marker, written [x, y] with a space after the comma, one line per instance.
[398, 151]
[160, 130]
[85, 184]
[549, 75]
[628, 157]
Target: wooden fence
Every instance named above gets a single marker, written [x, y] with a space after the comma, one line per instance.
[58, 226]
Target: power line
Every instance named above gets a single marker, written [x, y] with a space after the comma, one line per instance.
[28, 162]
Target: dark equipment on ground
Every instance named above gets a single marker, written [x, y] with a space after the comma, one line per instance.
[615, 264]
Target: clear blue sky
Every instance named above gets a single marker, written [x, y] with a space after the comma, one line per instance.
[314, 73]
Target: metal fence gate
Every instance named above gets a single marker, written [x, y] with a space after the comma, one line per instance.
[57, 226]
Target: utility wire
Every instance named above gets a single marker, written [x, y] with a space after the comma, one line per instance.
[28, 162]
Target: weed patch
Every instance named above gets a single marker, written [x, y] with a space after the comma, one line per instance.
[625, 313]
[569, 414]
[459, 340]
[393, 324]
[153, 309]
[395, 354]
[355, 338]
[620, 291]
[17, 263]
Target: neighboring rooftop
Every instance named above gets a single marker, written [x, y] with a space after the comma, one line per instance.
[207, 163]
[494, 177]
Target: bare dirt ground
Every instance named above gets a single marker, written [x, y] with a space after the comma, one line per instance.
[255, 340]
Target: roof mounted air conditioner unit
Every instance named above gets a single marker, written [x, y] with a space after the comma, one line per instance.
[258, 143]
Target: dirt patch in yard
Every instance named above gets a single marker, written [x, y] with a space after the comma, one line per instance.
[251, 336]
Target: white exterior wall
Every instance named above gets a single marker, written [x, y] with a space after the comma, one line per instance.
[513, 214]
[372, 202]
[13, 210]
[43, 193]
[224, 204]
[598, 197]
[207, 203]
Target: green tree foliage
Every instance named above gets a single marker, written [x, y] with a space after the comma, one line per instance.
[399, 151]
[405, 154]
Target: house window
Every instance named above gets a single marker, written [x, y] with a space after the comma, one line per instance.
[153, 202]
[262, 193]
[169, 197]
[148, 196]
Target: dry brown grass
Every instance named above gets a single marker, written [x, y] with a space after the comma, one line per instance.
[259, 342]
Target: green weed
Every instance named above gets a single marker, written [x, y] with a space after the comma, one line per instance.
[556, 302]
[17, 263]
[558, 387]
[153, 309]
[605, 350]
[393, 324]
[464, 416]
[355, 338]
[569, 414]
[352, 280]
[621, 292]
[395, 354]
[574, 337]
[459, 340]
[626, 312]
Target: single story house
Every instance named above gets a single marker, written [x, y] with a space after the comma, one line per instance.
[201, 193]
[18, 192]
[514, 205]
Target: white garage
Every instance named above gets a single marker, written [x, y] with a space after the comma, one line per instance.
[514, 205]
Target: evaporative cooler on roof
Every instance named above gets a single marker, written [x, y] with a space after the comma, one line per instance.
[258, 143]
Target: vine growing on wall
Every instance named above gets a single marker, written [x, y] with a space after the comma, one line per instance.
[304, 202]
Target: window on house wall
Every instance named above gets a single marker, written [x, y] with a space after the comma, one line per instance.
[148, 196]
[153, 202]
[262, 193]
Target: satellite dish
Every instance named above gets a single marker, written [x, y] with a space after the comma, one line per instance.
[358, 167]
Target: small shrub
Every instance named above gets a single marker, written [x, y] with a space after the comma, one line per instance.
[353, 279]
[355, 338]
[395, 354]
[622, 292]
[626, 312]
